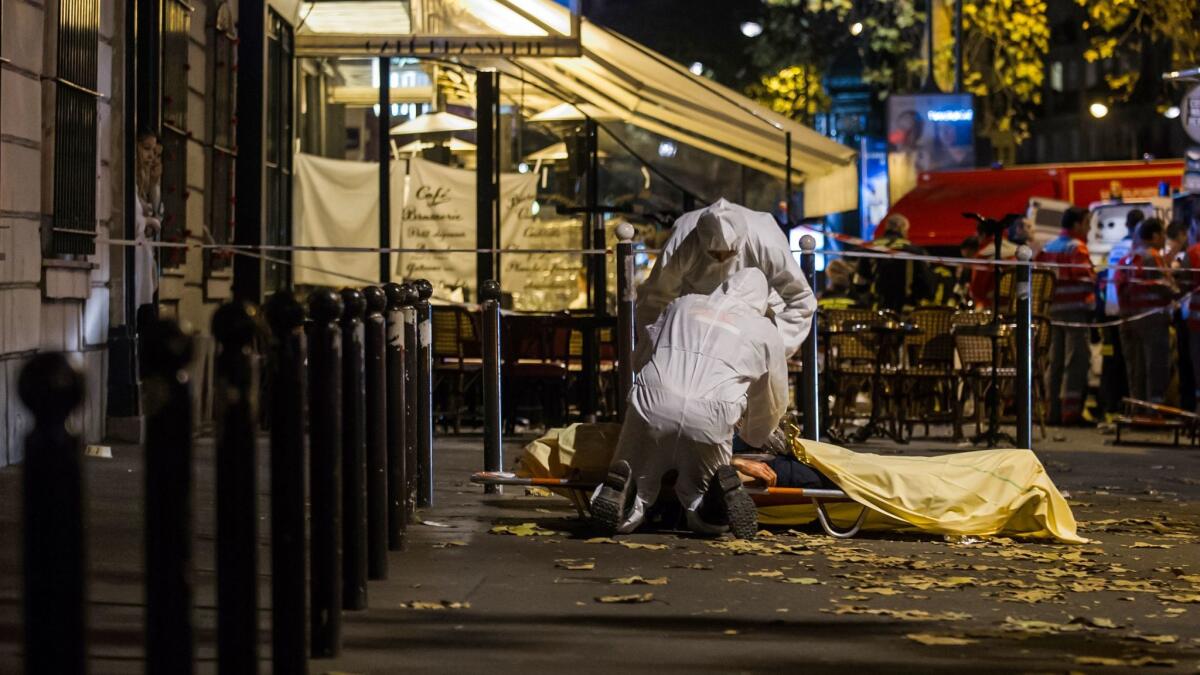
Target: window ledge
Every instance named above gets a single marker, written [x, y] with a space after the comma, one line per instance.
[69, 264]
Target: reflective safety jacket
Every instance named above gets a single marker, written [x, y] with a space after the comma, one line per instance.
[1142, 282]
[1074, 287]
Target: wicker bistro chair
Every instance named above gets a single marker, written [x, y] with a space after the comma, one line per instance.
[607, 376]
[457, 362]
[535, 355]
[928, 380]
[1041, 291]
[850, 360]
[974, 355]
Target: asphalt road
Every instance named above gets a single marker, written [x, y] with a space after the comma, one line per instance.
[463, 599]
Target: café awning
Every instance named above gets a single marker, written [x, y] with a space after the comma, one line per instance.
[618, 77]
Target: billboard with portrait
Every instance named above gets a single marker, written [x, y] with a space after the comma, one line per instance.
[932, 132]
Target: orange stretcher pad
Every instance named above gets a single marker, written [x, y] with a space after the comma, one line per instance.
[762, 496]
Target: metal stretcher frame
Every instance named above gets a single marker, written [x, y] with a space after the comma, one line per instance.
[578, 492]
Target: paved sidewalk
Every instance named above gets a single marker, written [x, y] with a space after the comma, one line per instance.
[798, 600]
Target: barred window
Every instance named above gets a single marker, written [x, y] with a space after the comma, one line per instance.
[73, 222]
[175, 26]
[223, 92]
[279, 140]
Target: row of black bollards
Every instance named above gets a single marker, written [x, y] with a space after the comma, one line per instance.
[344, 390]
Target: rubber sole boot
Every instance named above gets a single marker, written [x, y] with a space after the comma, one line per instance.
[608, 506]
[743, 516]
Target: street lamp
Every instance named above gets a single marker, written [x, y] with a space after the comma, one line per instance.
[751, 29]
[856, 28]
[1098, 110]
[1171, 112]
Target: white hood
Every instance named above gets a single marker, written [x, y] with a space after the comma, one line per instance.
[748, 287]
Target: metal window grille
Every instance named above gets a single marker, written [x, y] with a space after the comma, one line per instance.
[73, 225]
[223, 91]
[280, 133]
[175, 26]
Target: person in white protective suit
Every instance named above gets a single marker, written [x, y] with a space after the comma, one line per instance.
[708, 246]
[710, 363]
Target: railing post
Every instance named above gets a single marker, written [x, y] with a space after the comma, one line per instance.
[354, 453]
[626, 296]
[493, 424]
[810, 395]
[52, 485]
[166, 352]
[289, 651]
[1024, 384]
[325, 471]
[237, 492]
[412, 378]
[375, 343]
[425, 394]
[397, 421]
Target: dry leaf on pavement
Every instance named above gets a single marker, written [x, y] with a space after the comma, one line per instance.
[636, 579]
[626, 599]
[576, 565]
[523, 530]
[803, 581]
[937, 640]
[1137, 663]
[440, 604]
[649, 547]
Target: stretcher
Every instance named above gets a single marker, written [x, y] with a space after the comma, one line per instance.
[1139, 414]
[578, 492]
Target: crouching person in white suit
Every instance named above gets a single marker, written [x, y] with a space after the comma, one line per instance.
[710, 364]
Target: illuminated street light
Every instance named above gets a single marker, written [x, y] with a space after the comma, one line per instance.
[856, 28]
[1171, 113]
[697, 68]
[1098, 110]
[751, 29]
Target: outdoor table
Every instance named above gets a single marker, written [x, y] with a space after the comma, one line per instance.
[887, 336]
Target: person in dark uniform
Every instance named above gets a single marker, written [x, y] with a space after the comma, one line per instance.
[896, 285]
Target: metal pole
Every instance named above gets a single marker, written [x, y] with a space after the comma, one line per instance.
[166, 352]
[412, 394]
[487, 113]
[1024, 384]
[787, 173]
[425, 394]
[289, 554]
[354, 453]
[52, 488]
[626, 296]
[237, 490]
[493, 429]
[375, 342]
[385, 156]
[809, 378]
[325, 471]
[596, 277]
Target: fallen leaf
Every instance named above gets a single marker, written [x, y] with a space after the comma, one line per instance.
[803, 581]
[937, 640]
[634, 580]
[1040, 627]
[1137, 663]
[649, 547]
[626, 599]
[576, 565]
[903, 614]
[1181, 597]
[440, 604]
[731, 631]
[448, 544]
[1095, 622]
[1154, 639]
[1143, 544]
[1031, 596]
[600, 540]
[769, 574]
[433, 523]
[693, 566]
[523, 530]
[878, 590]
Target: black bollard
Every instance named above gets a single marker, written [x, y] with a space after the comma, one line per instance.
[397, 428]
[493, 424]
[626, 296]
[289, 652]
[375, 365]
[424, 395]
[52, 485]
[1024, 383]
[237, 516]
[412, 393]
[167, 395]
[810, 395]
[325, 471]
[354, 453]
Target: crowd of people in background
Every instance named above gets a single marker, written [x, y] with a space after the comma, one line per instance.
[1137, 312]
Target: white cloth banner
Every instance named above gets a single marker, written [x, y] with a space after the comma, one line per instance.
[335, 203]
[537, 281]
[437, 211]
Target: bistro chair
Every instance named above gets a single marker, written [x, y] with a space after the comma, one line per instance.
[928, 381]
[536, 359]
[457, 360]
[974, 354]
[850, 359]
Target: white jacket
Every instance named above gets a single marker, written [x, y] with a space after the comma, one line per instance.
[684, 267]
[711, 361]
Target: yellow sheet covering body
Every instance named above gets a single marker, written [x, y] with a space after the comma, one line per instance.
[979, 493]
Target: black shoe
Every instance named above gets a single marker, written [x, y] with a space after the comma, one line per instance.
[608, 506]
[739, 508]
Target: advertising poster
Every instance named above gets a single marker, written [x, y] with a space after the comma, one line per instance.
[932, 132]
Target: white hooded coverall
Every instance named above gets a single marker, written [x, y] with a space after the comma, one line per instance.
[685, 266]
[710, 362]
